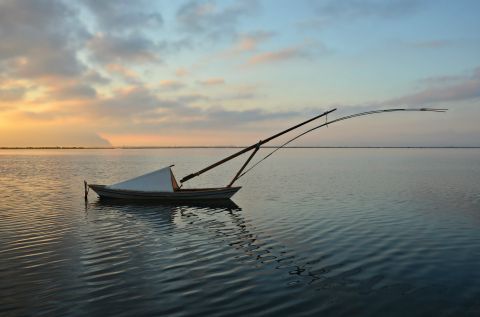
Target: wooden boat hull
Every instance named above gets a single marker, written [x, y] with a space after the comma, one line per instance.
[221, 193]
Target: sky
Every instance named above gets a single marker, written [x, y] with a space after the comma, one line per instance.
[231, 72]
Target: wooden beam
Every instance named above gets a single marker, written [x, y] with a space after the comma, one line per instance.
[251, 147]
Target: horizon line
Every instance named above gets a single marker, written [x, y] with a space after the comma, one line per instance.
[225, 147]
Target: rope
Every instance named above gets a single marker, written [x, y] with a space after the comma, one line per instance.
[334, 121]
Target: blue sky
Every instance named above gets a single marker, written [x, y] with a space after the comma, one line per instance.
[90, 73]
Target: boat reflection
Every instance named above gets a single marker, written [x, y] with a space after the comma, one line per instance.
[224, 223]
[154, 212]
[226, 204]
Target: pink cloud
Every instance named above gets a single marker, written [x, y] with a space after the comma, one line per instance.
[276, 56]
[181, 72]
[250, 42]
[461, 89]
[169, 84]
[122, 71]
[212, 82]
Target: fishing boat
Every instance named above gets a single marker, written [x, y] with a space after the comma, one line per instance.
[161, 185]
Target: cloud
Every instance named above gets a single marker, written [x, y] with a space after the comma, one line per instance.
[36, 116]
[40, 39]
[181, 72]
[233, 94]
[306, 50]
[124, 106]
[127, 103]
[197, 119]
[249, 42]
[242, 92]
[12, 94]
[95, 77]
[276, 56]
[214, 19]
[220, 117]
[466, 88]
[441, 80]
[142, 110]
[246, 95]
[48, 64]
[124, 72]
[330, 12]
[273, 56]
[441, 89]
[124, 15]
[366, 8]
[191, 98]
[56, 60]
[131, 48]
[131, 31]
[171, 85]
[73, 91]
[195, 127]
[211, 82]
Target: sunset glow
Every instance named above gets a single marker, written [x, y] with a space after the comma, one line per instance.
[178, 73]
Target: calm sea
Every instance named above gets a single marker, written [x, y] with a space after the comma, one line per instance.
[314, 232]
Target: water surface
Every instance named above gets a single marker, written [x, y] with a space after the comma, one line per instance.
[331, 232]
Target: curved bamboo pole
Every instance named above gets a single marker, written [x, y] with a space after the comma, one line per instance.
[334, 121]
[252, 147]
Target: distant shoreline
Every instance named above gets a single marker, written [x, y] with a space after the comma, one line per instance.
[231, 147]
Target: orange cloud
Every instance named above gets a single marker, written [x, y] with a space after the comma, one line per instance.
[169, 84]
[247, 44]
[122, 71]
[181, 72]
[211, 82]
[250, 42]
[281, 55]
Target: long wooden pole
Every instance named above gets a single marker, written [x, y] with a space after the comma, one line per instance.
[244, 165]
[251, 147]
[334, 121]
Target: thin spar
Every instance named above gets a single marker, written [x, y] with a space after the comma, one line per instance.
[251, 147]
[334, 121]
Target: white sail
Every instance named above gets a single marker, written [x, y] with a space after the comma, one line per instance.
[161, 180]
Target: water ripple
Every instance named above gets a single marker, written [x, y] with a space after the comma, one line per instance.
[396, 229]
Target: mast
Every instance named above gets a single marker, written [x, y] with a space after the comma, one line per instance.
[255, 146]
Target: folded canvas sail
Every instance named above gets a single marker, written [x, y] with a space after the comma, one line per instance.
[161, 180]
